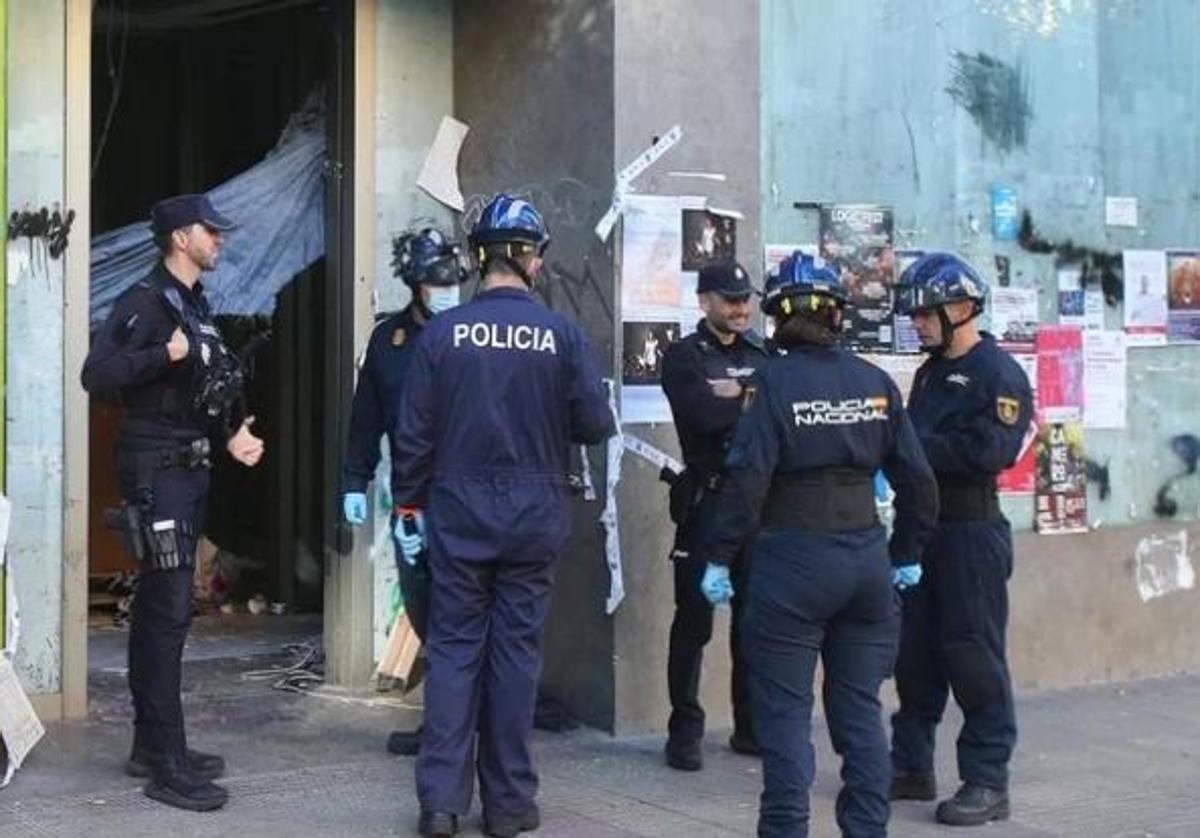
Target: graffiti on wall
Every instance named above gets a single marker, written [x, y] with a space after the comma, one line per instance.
[995, 94]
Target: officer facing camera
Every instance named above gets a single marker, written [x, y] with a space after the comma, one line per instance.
[161, 355]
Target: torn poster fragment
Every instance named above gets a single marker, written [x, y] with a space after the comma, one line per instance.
[439, 174]
[1162, 566]
[19, 725]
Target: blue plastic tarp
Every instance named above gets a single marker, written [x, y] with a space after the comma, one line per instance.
[279, 205]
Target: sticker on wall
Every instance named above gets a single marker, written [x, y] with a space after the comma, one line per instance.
[1162, 566]
[1006, 216]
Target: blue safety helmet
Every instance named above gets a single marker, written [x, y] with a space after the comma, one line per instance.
[509, 220]
[800, 276]
[937, 279]
[427, 257]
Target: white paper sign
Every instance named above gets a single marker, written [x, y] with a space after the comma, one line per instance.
[439, 174]
[1105, 387]
[1120, 212]
[1145, 297]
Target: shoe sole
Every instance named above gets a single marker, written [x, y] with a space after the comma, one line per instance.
[685, 766]
[170, 798]
[142, 771]
[920, 797]
[999, 813]
[511, 830]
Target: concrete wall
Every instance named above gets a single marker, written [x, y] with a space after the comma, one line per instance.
[534, 80]
[1108, 104]
[414, 84]
[34, 403]
[695, 64]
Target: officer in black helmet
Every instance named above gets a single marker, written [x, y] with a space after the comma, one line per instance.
[800, 472]
[432, 268]
[706, 376]
[161, 354]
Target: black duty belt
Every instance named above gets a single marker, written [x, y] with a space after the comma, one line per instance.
[968, 500]
[156, 454]
[830, 501]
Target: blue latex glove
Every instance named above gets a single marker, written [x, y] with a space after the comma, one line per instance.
[354, 508]
[410, 535]
[716, 585]
[906, 576]
[883, 489]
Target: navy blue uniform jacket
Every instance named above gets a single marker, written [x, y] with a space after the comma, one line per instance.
[498, 390]
[971, 413]
[819, 408]
[377, 396]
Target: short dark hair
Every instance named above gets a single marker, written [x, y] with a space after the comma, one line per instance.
[163, 242]
[492, 256]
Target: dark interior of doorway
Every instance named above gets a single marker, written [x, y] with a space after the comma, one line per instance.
[186, 94]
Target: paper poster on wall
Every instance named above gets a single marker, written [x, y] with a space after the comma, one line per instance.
[643, 346]
[905, 340]
[1105, 370]
[1070, 294]
[1060, 373]
[706, 236]
[1006, 215]
[1120, 211]
[651, 253]
[1021, 477]
[1145, 297]
[856, 240]
[1015, 318]
[1183, 296]
[1060, 503]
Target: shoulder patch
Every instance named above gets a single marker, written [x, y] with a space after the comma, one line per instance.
[398, 337]
[1008, 409]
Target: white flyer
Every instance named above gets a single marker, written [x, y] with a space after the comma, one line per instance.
[1105, 379]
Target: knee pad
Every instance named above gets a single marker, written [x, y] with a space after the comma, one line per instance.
[974, 674]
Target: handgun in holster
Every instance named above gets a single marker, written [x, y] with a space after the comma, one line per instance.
[128, 519]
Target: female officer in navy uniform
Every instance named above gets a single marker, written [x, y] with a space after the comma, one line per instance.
[818, 426]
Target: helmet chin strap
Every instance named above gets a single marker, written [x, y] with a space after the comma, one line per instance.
[948, 328]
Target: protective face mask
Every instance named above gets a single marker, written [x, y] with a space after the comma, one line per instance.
[442, 298]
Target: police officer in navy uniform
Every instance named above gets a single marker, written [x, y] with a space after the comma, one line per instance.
[800, 471]
[706, 376]
[971, 405]
[161, 354]
[498, 390]
[431, 267]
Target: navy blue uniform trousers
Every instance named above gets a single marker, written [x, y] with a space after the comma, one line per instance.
[826, 596]
[162, 611]
[490, 592]
[954, 638]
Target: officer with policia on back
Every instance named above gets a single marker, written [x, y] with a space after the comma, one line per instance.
[160, 353]
[706, 376]
[971, 405]
[432, 268]
[800, 472]
[499, 390]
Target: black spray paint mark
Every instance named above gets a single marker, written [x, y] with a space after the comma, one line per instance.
[995, 95]
[1186, 448]
[1098, 265]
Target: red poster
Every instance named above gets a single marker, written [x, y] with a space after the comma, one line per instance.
[1019, 480]
[1060, 372]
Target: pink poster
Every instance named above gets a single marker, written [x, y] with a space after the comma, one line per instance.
[1060, 373]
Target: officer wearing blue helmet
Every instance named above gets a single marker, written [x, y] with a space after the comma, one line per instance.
[971, 405]
[432, 268]
[498, 390]
[800, 470]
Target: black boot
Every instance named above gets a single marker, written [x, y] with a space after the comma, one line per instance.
[684, 756]
[914, 787]
[743, 743]
[438, 824]
[973, 805]
[143, 761]
[175, 785]
[509, 826]
[405, 743]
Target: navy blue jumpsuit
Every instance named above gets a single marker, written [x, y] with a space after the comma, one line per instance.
[498, 390]
[372, 415]
[971, 414]
[155, 472]
[800, 467]
[705, 424]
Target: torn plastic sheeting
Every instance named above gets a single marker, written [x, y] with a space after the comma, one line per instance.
[279, 205]
[1162, 566]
